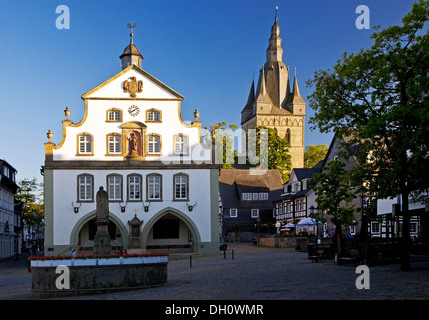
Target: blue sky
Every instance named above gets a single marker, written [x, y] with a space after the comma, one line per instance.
[206, 50]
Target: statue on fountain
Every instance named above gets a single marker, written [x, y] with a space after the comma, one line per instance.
[102, 236]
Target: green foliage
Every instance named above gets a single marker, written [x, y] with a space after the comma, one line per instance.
[226, 155]
[378, 98]
[314, 154]
[333, 192]
[30, 196]
[278, 151]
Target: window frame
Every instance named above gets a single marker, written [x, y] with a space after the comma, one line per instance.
[78, 143]
[184, 143]
[78, 194]
[148, 143]
[254, 210]
[148, 176]
[114, 154]
[231, 215]
[180, 174]
[108, 111]
[140, 184]
[115, 175]
[153, 110]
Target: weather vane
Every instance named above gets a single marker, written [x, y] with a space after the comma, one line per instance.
[277, 12]
[131, 26]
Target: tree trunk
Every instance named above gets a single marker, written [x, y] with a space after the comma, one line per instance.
[406, 241]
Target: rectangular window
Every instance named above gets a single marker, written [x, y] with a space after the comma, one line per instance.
[153, 144]
[180, 144]
[115, 188]
[153, 116]
[263, 196]
[246, 196]
[85, 188]
[134, 186]
[114, 144]
[233, 213]
[375, 228]
[154, 187]
[255, 196]
[85, 144]
[114, 115]
[254, 213]
[181, 187]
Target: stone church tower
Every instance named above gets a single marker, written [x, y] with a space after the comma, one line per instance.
[273, 104]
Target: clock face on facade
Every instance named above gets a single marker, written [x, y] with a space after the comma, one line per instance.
[133, 110]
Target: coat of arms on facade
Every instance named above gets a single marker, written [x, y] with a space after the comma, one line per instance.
[133, 86]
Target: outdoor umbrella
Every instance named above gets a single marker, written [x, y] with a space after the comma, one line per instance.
[307, 222]
[289, 225]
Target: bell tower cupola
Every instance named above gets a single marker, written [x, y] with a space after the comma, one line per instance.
[131, 54]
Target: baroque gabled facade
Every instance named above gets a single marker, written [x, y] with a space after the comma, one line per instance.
[162, 187]
[273, 104]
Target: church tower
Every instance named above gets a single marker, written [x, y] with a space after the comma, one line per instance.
[273, 104]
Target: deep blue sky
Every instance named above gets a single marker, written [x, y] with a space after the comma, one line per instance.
[206, 50]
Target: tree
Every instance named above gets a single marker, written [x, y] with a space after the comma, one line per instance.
[379, 98]
[333, 196]
[278, 151]
[314, 154]
[221, 134]
[30, 196]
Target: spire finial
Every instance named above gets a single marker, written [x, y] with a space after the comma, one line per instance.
[277, 12]
[131, 26]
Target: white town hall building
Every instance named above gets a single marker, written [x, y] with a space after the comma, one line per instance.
[162, 186]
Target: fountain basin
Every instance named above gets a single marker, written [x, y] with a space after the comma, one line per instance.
[96, 275]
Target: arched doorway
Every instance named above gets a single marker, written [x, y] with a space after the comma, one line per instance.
[170, 229]
[82, 236]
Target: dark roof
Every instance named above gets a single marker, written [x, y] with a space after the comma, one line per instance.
[233, 182]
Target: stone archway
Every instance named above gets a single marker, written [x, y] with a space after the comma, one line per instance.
[172, 213]
[74, 236]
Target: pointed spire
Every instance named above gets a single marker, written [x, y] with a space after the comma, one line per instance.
[275, 50]
[251, 97]
[261, 93]
[295, 97]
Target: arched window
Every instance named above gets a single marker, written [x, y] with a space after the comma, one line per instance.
[288, 135]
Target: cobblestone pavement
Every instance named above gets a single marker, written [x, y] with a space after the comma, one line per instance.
[255, 273]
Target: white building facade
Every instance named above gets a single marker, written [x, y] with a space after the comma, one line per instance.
[132, 141]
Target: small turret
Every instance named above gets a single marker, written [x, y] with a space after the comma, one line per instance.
[131, 54]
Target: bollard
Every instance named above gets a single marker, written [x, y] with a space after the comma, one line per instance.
[232, 254]
[224, 253]
[190, 261]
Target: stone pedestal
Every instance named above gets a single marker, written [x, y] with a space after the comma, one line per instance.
[102, 239]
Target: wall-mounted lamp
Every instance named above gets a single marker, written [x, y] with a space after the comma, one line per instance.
[76, 209]
[191, 207]
[146, 207]
[123, 207]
